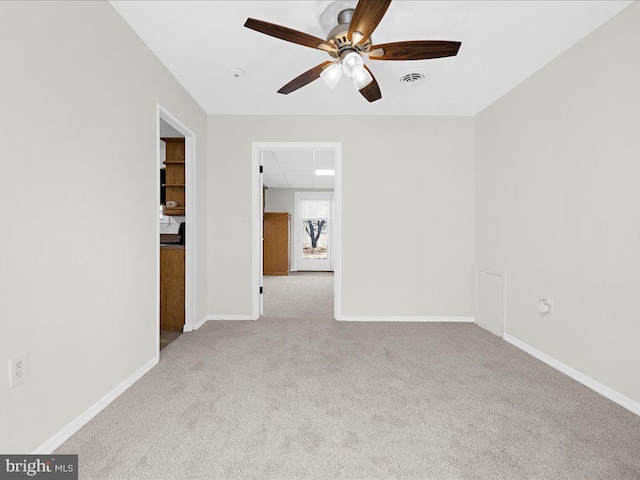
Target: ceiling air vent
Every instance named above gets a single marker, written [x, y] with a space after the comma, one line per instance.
[413, 78]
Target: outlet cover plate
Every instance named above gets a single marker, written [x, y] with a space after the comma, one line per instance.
[18, 370]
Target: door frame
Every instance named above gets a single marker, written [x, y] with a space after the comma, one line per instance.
[190, 219]
[297, 240]
[503, 294]
[257, 183]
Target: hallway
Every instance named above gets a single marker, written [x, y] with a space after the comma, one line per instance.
[304, 295]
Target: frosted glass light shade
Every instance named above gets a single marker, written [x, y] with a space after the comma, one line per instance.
[331, 75]
[361, 78]
[352, 63]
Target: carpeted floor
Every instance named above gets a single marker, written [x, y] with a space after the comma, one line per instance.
[297, 395]
[303, 295]
[166, 337]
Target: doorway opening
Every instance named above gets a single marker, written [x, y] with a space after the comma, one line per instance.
[175, 241]
[297, 226]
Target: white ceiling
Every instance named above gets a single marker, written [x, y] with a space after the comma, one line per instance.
[503, 43]
[167, 131]
[296, 168]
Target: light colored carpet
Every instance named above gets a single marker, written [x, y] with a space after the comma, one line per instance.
[293, 397]
[166, 337]
[304, 295]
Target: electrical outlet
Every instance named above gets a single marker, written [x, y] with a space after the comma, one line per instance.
[18, 370]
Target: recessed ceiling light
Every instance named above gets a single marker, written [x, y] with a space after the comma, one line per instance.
[326, 172]
[237, 72]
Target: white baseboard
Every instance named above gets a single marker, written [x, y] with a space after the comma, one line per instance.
[232, 317]
[200, 323]
[187, 328]
[373, 318]
[580, 377]
[224, 317]
[81, 420]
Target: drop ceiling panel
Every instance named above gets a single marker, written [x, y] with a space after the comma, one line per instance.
[323, 182]
[296, 168]
[305, 181]
[274, 178]
[324, 155]
[296, 154]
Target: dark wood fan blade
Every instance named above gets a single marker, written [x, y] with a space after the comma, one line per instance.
[372, 91]
[366, 18]
[416, 50]
[288, 34]
[304, 79]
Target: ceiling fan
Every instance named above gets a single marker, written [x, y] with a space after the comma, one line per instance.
[348, 42]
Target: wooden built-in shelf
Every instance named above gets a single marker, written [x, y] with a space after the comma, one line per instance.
[177, 211]
[169, 238]
[174, 176]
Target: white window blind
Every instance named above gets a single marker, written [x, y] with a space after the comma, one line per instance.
[315, 209]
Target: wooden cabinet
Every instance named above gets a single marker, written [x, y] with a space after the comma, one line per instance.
[276, 244]
[175, 177]
[172, 275]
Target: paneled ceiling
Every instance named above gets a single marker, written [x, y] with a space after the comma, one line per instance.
[503, 43]
[297, 168]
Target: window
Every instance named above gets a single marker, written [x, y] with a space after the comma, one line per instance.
[315, 228]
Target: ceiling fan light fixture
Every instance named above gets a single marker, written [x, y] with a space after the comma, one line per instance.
[348, 42]
[352, 63]
[361, 78]
[331, 75]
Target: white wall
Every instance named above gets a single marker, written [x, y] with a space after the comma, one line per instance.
[284, 199]
[410, 177]
[79, 168]
[558, 163]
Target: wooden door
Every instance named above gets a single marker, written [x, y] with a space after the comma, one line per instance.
[276, 244]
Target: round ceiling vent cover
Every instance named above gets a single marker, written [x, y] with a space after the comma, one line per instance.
[413, 78]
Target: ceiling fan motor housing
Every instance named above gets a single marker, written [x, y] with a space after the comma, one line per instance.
[345, 16]
[338, 36]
